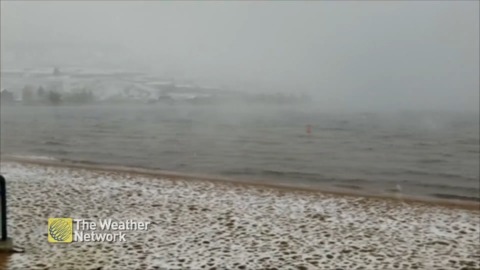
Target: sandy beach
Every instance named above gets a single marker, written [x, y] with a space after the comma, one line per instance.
[215, 225]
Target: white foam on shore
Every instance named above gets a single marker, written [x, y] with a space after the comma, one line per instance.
[201, 225]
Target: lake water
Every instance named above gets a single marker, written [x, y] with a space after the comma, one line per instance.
[428, 154]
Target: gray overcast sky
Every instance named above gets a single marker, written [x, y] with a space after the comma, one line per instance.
[403, 54]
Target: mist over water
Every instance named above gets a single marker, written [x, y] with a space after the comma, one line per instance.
[348, 56]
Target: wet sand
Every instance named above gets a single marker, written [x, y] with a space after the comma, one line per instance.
[217, 224]
[4, 259]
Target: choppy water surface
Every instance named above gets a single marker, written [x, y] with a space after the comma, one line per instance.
[424, 154]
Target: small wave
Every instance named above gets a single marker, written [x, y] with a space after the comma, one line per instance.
[464, 190]
[86, 162]
[332, 129]
[33, 157]
[469, 141]
[435, 174]
[423, 144]
[242, 140]
[355, 187]
[51, 151]
[267, 142]
[101, 126]
[172, 152]
[293, 174]
[455, 197]
[140, 137]
[245, 171]
[355, 180]
[53, 143]
[430, 161]
[274, 173]
[171, 140]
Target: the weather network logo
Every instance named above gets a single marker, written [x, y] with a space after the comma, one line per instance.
[60, 230]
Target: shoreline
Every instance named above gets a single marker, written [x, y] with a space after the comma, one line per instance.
[173, 175]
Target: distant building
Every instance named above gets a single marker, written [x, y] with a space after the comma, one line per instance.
[41, 92]
[6, 96]
[27, 94]
[162, 87]
[56, 72]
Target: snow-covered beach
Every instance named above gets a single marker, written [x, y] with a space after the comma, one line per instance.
[214, 225]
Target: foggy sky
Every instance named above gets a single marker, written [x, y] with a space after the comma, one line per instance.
[367, 55]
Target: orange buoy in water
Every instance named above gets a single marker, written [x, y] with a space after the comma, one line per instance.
[309, 129]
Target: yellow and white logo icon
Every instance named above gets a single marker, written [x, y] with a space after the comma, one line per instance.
[60, 230]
